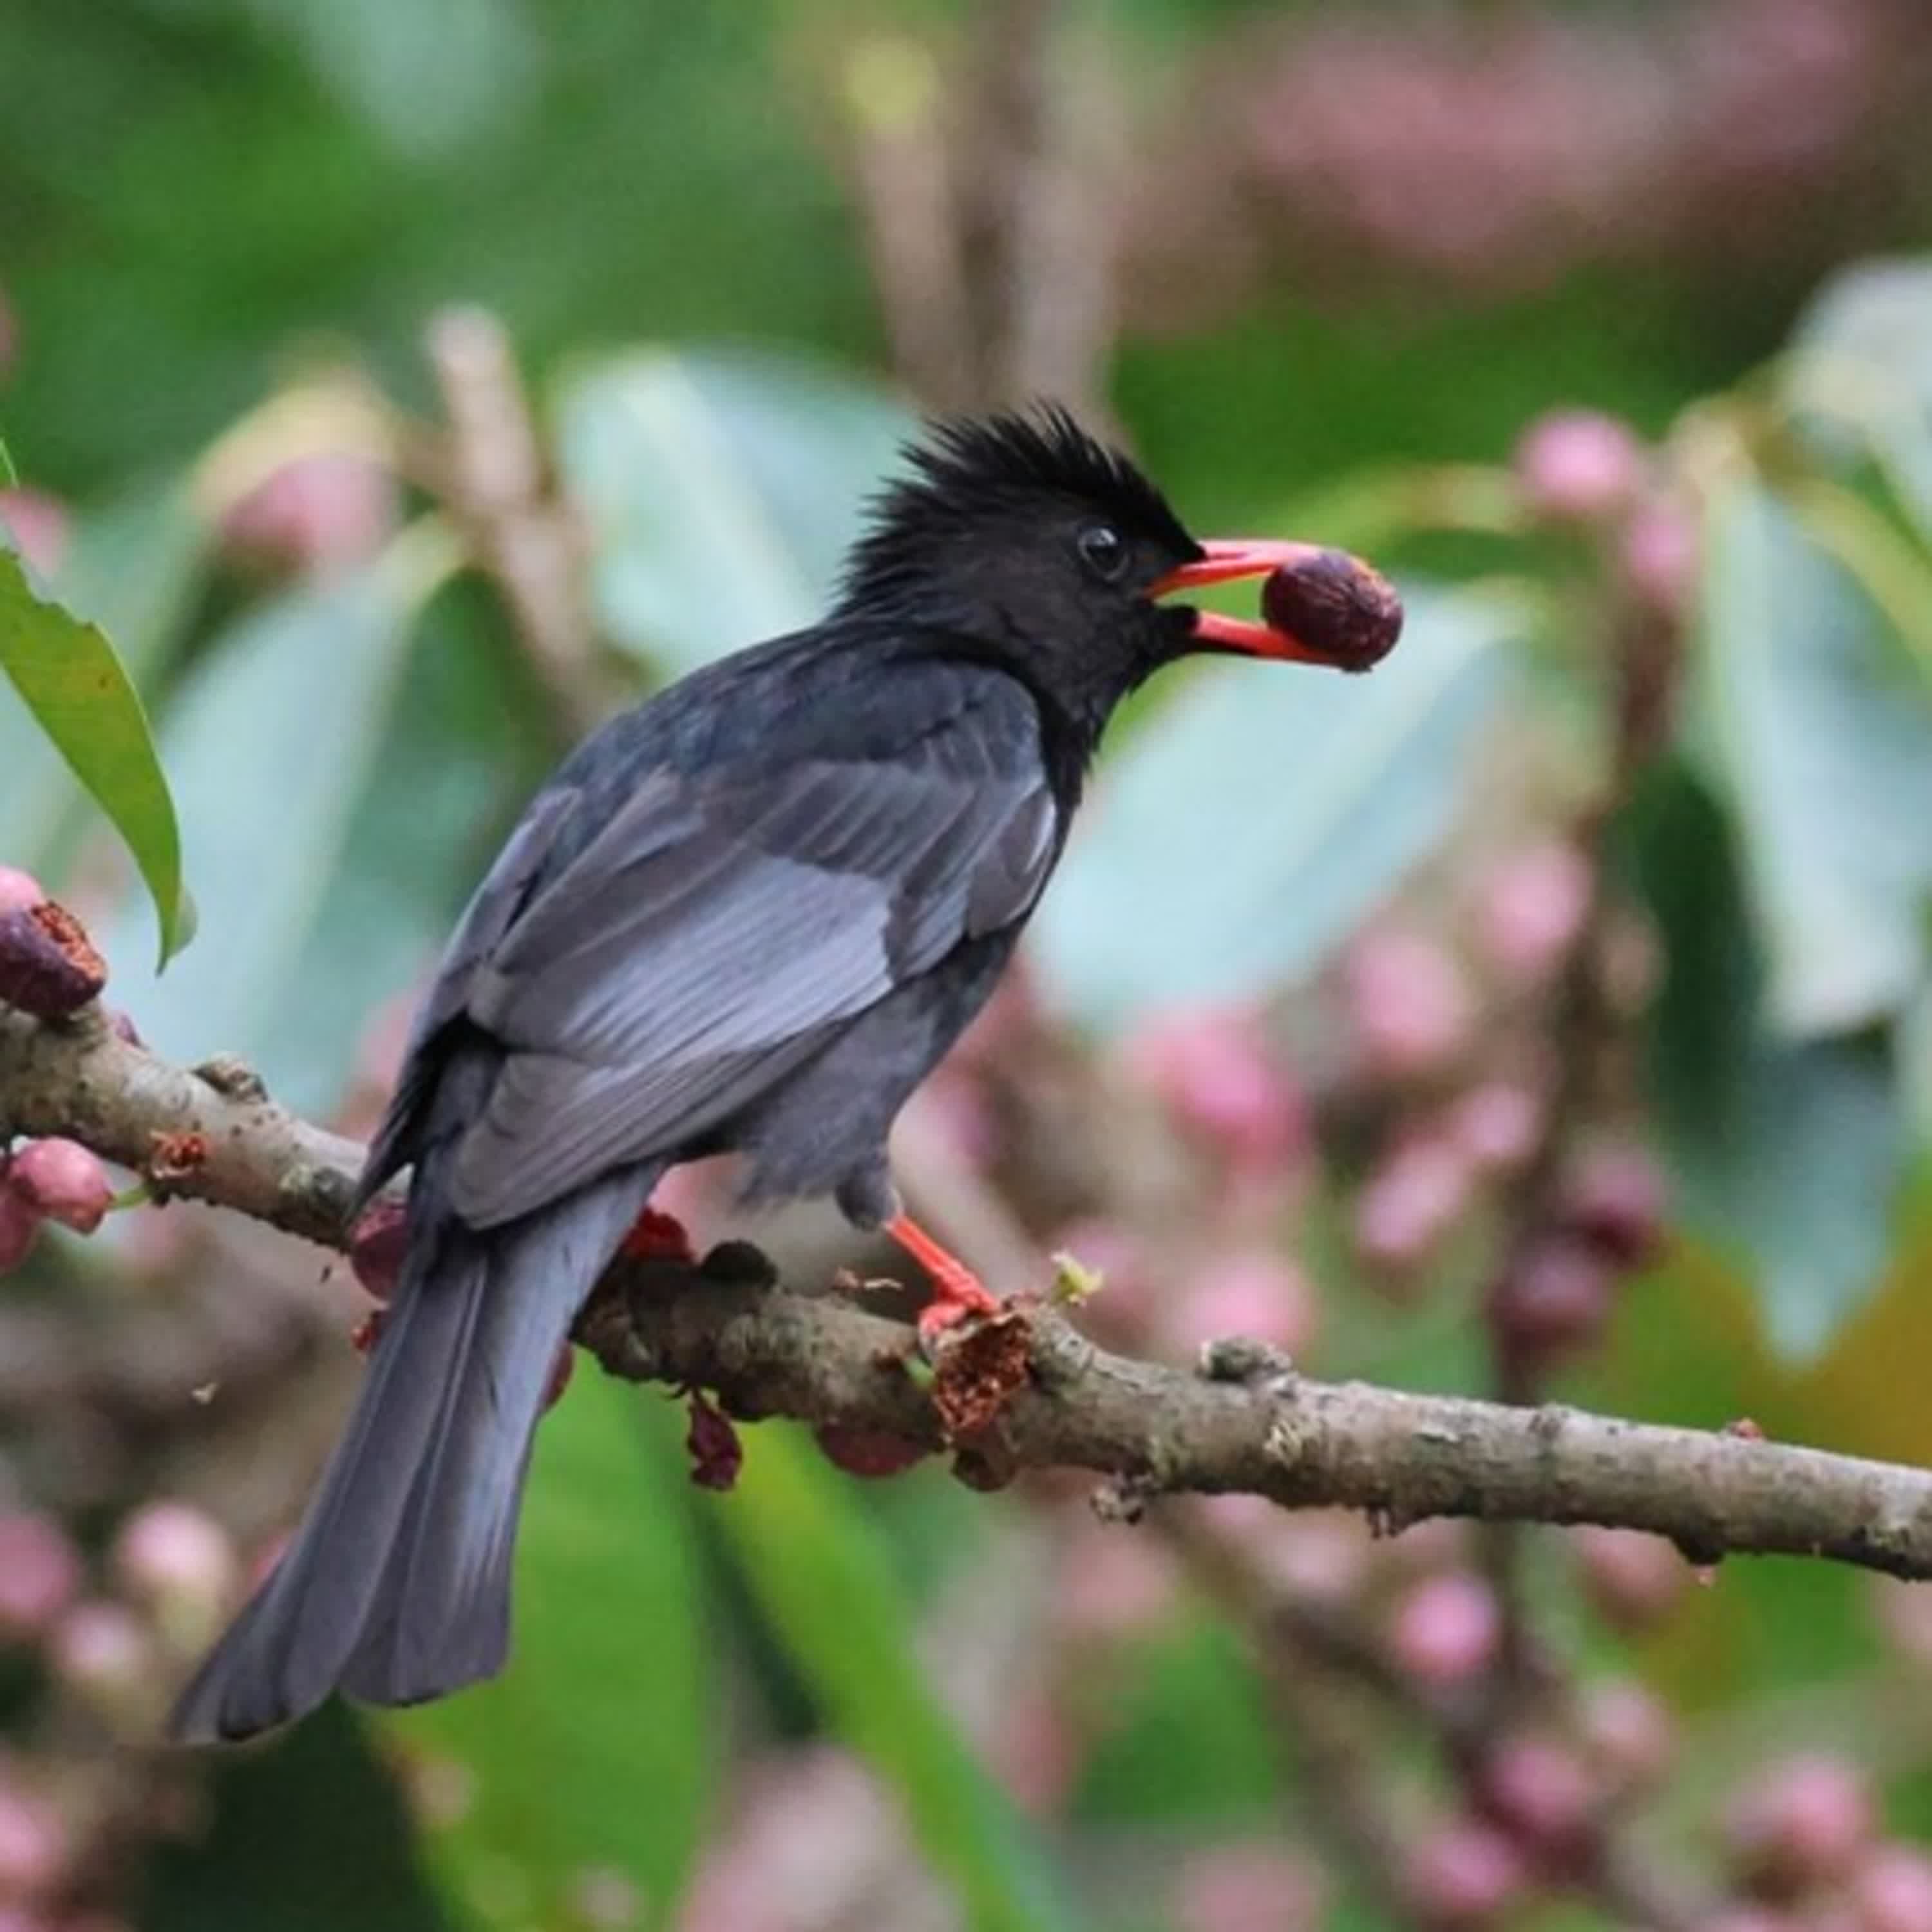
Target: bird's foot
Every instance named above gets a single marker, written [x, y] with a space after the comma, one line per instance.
[958, 1294]
[965, 1299]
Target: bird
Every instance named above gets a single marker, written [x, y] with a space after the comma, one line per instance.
[748, 916]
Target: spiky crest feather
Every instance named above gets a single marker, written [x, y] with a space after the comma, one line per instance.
[967, 468]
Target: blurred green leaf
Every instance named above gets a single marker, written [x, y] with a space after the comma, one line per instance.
[270, 740]
[823, 1578]
[463, 746]
[1786, 1154]
[595, 1752]
[307, 1833]
[1230, 847]
[1890, 569]
[9, 475]
[1915, 1062]
[721, 492]
[65, 671]
[1862, 357]
[1805, 1180]
[429, 76]
[1185, 1736]
[133, 568]
[1804, 724]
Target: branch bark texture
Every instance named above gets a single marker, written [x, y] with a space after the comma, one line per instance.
[1025, 1390]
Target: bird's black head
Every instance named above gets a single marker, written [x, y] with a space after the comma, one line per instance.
[1045, 548]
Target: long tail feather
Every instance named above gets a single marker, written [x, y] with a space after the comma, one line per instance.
[397, 1585]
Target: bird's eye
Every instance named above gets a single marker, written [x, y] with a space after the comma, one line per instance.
[1103, 549]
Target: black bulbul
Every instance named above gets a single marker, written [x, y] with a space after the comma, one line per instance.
[749, 916]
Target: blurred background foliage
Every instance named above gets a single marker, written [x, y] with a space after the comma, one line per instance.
[1624, 859]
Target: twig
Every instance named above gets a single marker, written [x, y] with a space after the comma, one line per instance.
[497, 486]
[213, 1129]
[991, 227]
[1061, 304]
[1642, 654]
[903, 175]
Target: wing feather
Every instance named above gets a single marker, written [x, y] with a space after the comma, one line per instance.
[723, 927]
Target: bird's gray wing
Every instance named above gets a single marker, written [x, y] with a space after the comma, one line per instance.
[721, 929]
[485, 920]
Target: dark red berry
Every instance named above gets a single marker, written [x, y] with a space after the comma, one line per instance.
[1804, 1823]
[1634, 1579]
[377, 1243]
[1543, 1794]
[1555, 1298]
[716, 1454]
[870, 1453]
[48, 966]
[1616, 1200]
[1335, 605]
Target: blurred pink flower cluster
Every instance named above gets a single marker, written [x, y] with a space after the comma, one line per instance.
[1505, 151]
[106, 1636]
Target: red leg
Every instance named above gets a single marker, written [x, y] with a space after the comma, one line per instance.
[958, 1291]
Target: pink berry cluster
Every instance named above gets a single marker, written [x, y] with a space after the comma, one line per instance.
[104, 1635]
[1582, 472]
[1447, 1039]
[1530, 1798]
[49, 1180]
[1801, 1844]
[53, 1179]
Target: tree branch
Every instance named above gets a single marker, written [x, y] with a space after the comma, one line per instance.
[1026, 1391]
[206, 1133]
[1300, 1442]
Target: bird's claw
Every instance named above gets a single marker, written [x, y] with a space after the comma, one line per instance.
[956, 1300]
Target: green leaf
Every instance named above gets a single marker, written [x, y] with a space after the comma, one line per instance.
[9, 475]
[270, 740]
[67, 673]
[1806, 1177]
[820, 1575]
[134, 567]
[1804, 724]
[308, 1833]
[430, 77]
[721, 491]
[1188, 1740]
[596, 1750]
[1861, 357]
[1787, 1155]
[1915, 1066]
[1890, 569]
[1228, 850]
[462, 746]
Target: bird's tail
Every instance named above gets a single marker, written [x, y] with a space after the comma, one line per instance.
[396, 1587]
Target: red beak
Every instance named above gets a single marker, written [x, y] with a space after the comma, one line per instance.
[1226, 559]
